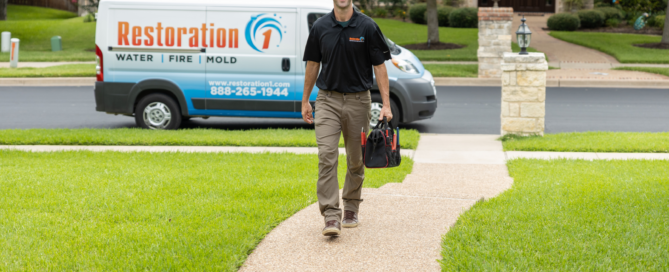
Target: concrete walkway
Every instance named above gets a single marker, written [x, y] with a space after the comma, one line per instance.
[401, 224]
[43, 64]
[470, 149]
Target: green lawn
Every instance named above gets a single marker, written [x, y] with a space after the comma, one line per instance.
[187, 137]
[568, 215]
[618, 45]
[453, 70]
[78, 39]
[114, 211]
[20, 12]
[68, 70]
[625, 142]
[652, 70]
[407, 33]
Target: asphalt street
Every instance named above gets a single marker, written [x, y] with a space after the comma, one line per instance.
[462, 110]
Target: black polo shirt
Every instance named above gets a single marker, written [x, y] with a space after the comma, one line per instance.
[346, 54]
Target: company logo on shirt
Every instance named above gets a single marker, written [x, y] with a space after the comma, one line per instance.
[361, 39]
[265, 25]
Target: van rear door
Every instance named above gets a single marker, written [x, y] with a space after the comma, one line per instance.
[251, 62]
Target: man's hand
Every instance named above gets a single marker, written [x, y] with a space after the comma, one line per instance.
[386, 112]
[310, 76]
[307, 111]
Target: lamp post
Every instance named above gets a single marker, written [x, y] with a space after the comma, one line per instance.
[523, 37]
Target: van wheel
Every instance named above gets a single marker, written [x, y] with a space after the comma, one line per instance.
[157, 111]
[377, 104]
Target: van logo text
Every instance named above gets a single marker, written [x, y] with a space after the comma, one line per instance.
[170, 36]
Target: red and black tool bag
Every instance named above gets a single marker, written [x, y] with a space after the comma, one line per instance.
[381, 149]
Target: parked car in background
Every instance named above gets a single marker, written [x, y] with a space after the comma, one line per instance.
[166, 61]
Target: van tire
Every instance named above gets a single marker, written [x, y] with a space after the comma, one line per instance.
[376, 98]
[158, 111]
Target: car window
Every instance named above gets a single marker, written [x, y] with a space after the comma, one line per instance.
[312, 17]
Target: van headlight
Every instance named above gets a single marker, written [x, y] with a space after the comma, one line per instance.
[405, 66]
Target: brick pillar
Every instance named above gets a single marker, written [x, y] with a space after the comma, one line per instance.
[494, 39]
[523, 93]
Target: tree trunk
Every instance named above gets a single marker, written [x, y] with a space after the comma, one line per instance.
[665, 32]
[3, 10]
[432, 22]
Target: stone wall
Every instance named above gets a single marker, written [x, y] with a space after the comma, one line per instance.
[523, 93]
[494, 39]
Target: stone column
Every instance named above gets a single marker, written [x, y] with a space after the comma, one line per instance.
[494, 39]
[523, 93]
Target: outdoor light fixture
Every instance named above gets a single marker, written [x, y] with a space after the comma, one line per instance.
[523, 36]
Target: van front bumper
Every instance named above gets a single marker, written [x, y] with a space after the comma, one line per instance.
[421, 96]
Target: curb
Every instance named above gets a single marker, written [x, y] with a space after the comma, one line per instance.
[581, 83]
[439, 81]
[48, 81]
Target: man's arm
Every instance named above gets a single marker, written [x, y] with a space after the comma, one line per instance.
[384, 87]
[310, 76]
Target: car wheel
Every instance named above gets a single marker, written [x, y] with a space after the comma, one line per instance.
[158, 111]
[377, 104]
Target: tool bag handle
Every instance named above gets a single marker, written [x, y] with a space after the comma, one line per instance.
[384, 123]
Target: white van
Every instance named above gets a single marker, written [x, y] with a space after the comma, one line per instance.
[167, 61]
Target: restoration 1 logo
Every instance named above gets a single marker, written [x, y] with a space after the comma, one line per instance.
[263, 24]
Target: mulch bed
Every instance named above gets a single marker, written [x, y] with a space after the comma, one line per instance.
[653, 45]
[433, 46]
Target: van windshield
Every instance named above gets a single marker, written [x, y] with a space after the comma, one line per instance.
[312, 17]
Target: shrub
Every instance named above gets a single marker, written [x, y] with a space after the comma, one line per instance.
[399, 12]
[89, 18]
[613, 22]
[564, 22]
[366, 12]
[417, 13]
[611, 13]
[464, 18]
[380, 12]
[658, 21]
[443, 13]
[591, 18]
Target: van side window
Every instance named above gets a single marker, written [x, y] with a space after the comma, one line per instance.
[312, 17]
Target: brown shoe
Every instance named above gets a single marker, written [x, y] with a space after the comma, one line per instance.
[332, 228]
[350, 219]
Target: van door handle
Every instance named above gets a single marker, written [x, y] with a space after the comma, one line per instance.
[285, 64]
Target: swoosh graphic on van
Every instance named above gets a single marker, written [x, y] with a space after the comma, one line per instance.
[254, 25]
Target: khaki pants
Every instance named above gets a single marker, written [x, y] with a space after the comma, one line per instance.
[338, 113]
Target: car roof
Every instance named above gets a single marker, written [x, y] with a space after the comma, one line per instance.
[326, 4]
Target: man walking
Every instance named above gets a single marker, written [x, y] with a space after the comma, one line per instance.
[348, 45]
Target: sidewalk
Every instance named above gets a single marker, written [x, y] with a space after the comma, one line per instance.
[401, 224]
[466, 149]
[43, 64]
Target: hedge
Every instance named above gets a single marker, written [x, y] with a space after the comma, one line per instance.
[464, 18]
[591, 18]
[563, 22]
